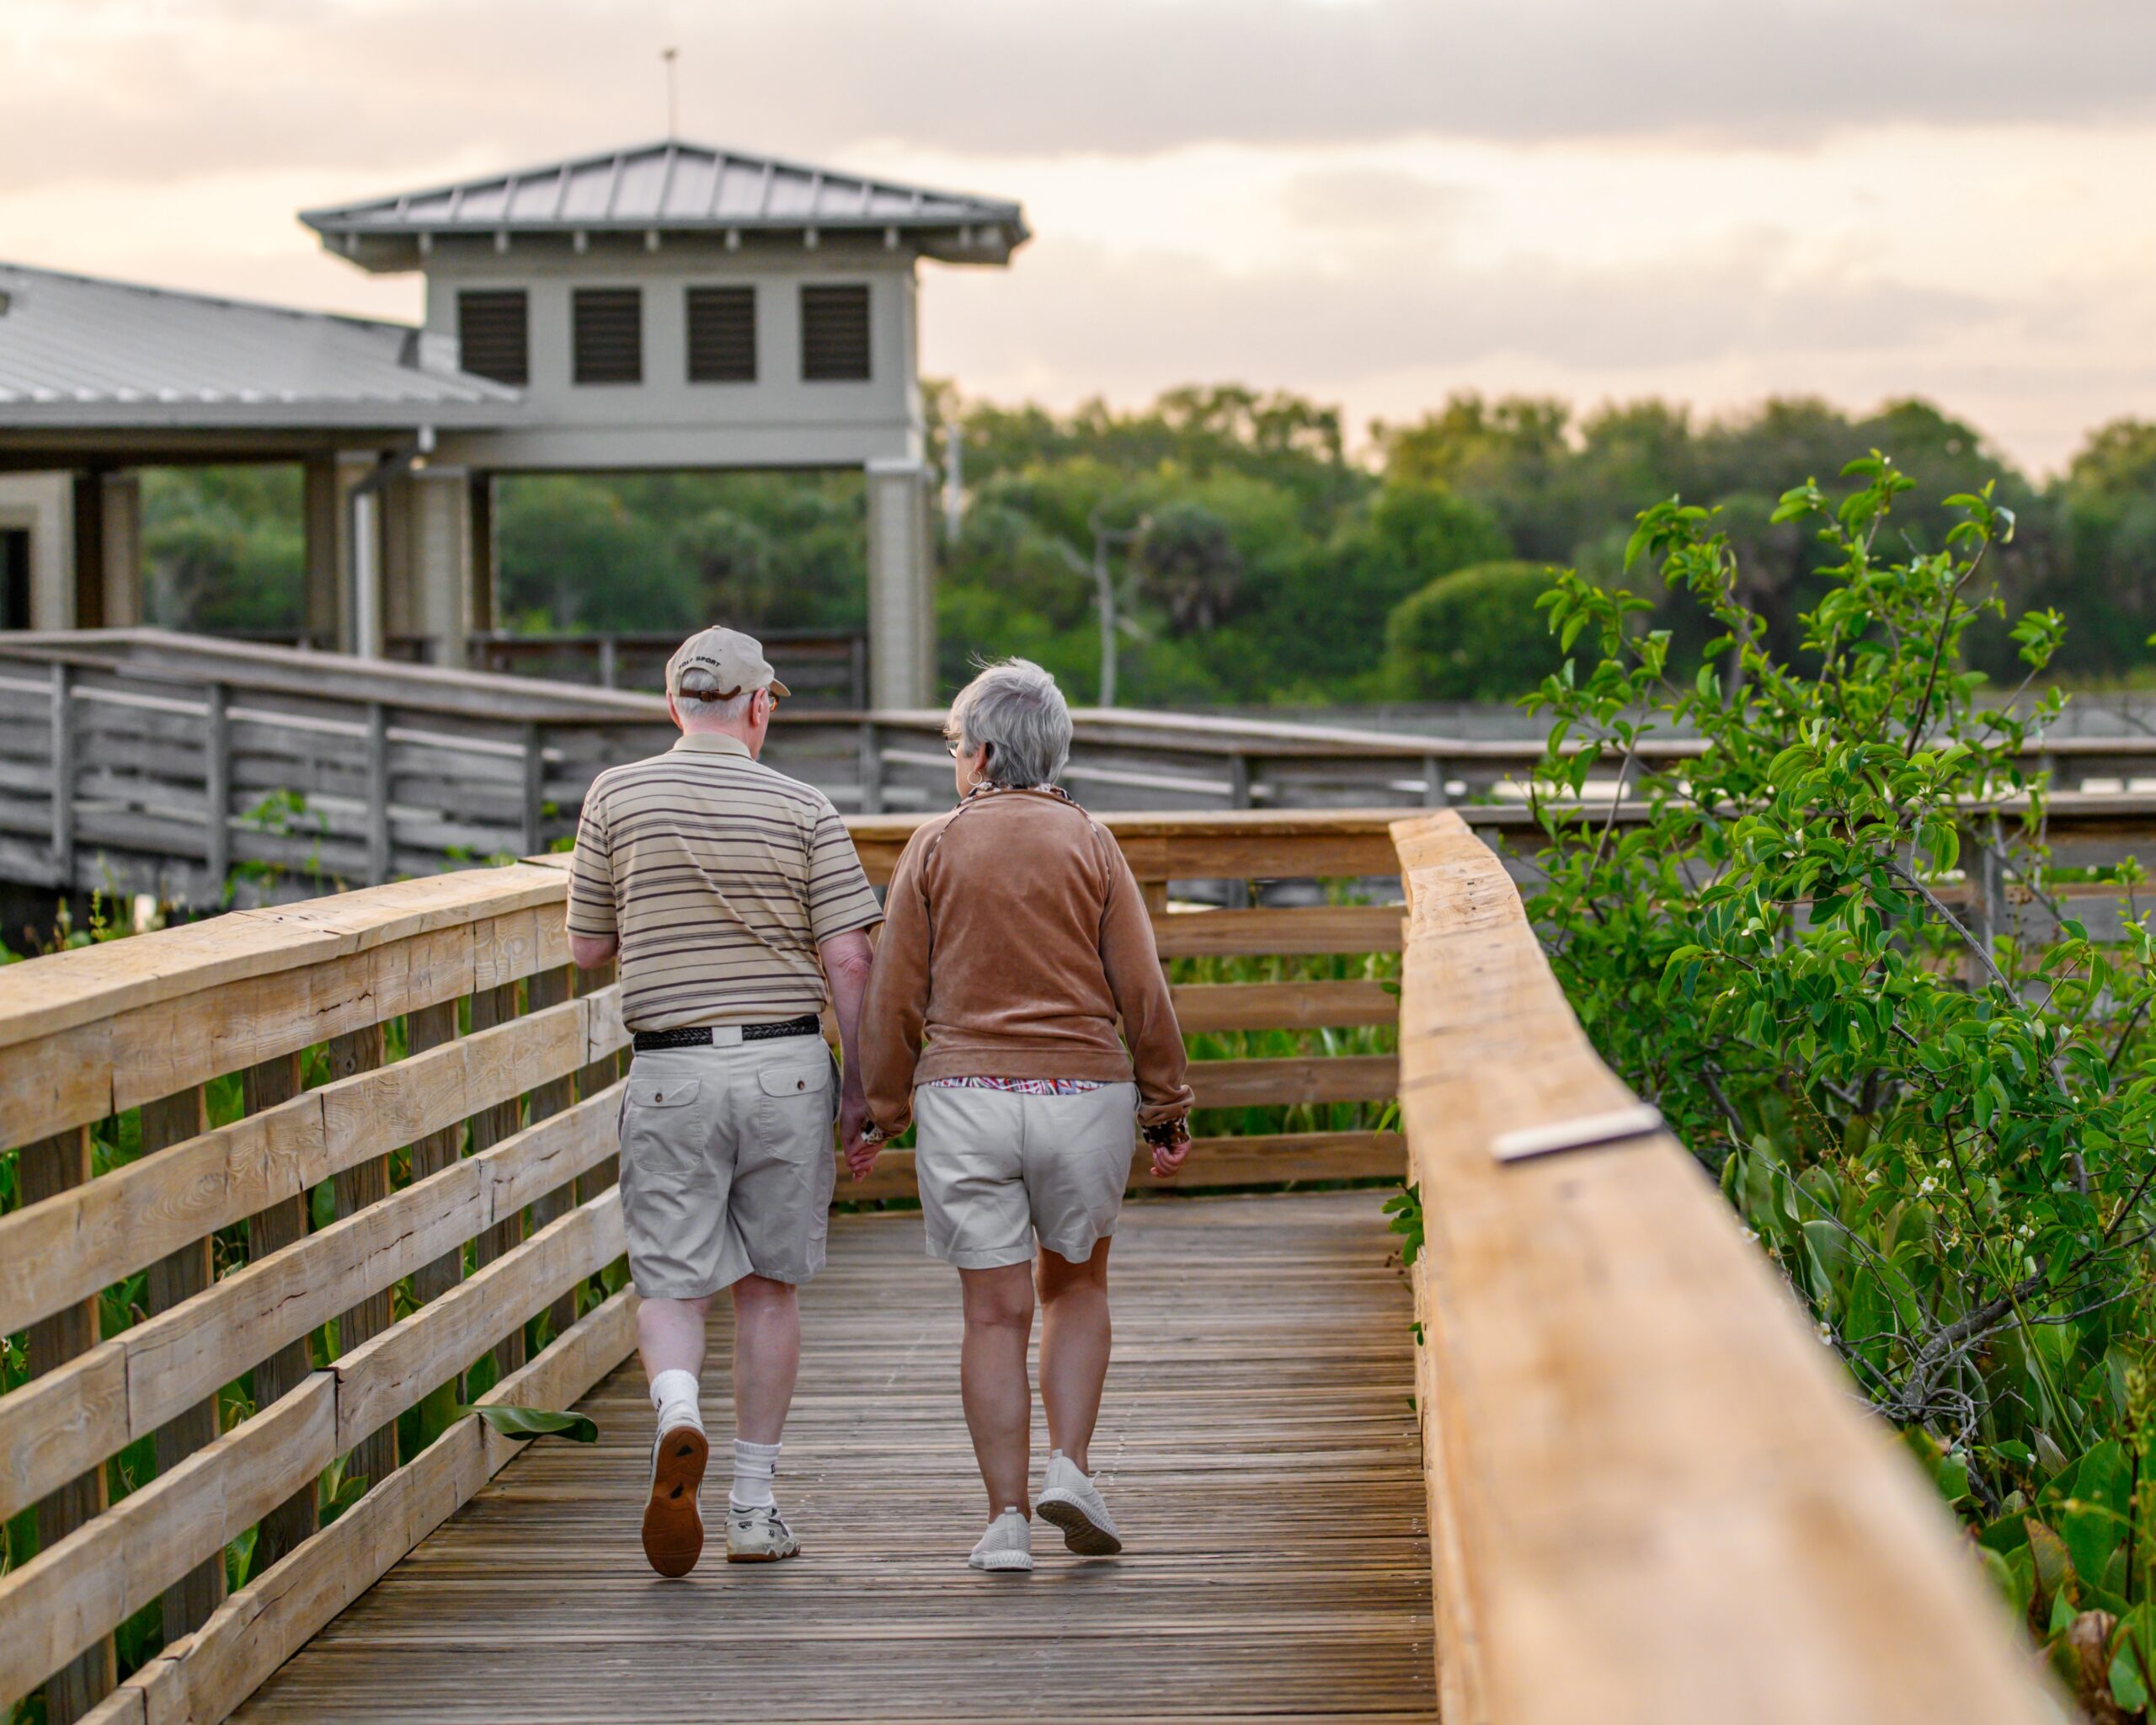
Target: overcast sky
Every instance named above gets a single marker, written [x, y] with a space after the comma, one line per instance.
[1374, 202]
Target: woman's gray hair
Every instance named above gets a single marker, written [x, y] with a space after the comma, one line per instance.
[1014, 707]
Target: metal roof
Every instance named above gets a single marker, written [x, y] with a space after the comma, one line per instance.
[79, 350]
[674, 186]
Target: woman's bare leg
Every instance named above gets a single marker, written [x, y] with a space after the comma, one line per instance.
[1075, 1340]
[992, 1382]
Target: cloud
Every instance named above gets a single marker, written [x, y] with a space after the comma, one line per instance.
[1368, 199]
[368, 92]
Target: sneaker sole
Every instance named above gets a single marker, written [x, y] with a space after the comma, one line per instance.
[1014, 1563]
[762, 1556]
[673, 1527]
[1081, 1533]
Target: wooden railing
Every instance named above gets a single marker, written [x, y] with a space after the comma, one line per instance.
[1653, 1496]
[285, 1179]
[820, 667]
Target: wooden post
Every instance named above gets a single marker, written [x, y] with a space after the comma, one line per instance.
[174, 1119]
[426, 1028]
[610, 662]
[284, 1222]
[1434, 794]
[535, 790]
[595, 1077]
[217, 788]
[43, 1170]
[63, 777]
[377, 793]
[871, 768]
[375, 1456]
[1238, 782]
[491, 1006]
[857, 672]
[551, 988]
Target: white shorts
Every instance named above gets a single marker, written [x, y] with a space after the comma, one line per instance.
[995, 1166]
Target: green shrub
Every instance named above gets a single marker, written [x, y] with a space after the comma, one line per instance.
[1473, 635]
[1940, 1125]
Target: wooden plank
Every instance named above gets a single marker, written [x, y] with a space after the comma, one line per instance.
[177, 1277]
[426, 1029]
[65, 1249]
[1282, 1006]
[44, 1171]
[65, 1598]
[63, 772]
[491, 1006]
[1315, 1078]
[363, 1184]
[549, 988]
[1266, 1160]
[1781, 1561]
[218, 785]
[377, 793]
[1327, 928]
[270, 1619]
[379, 1381]
[283, 1370]
[603, 1070]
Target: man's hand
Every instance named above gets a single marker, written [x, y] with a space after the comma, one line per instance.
[1169, 1156]
[853, 1125]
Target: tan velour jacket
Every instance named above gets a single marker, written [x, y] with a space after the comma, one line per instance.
[1014, 936]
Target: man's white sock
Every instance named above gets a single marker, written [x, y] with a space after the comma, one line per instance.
[754, 1465]
[674, 1394]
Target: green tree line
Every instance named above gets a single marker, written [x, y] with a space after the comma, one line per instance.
[1256, 558]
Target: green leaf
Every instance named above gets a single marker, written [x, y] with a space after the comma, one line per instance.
[535, 1421]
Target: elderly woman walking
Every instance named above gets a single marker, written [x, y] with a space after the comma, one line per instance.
[1015, 939]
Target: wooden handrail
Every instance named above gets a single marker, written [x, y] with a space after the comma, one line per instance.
[1653, 1497]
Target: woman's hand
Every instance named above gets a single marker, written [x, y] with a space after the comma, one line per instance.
[862, 1150]
[1169, 1153]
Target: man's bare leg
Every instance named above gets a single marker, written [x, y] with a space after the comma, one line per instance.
[1074, 1341]
[766, 1356]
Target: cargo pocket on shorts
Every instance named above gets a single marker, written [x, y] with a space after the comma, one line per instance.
[652, 1116]
[794, 1115]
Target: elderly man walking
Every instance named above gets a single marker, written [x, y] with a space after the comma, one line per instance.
[737, 905]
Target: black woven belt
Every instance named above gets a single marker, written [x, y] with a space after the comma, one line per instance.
[699, 1035]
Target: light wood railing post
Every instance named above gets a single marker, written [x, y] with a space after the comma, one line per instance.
[43, 1170]
[354, 1188]
[491, 1006]
[63, 777]
[544, 989]
[172, 1119]
[270, 1085]
[378, 835]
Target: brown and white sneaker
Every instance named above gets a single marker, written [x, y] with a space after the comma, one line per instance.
[673, 1516]
[758, 1534]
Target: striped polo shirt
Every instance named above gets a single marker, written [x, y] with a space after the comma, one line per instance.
[721, 878]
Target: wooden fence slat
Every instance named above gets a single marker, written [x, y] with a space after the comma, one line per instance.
[363, 1184]
[64, 1250]
[177, 1524]
[1330, 928]
[43, 1170]
[491, 1006]
[544, 989]
[1282, 1006]
[272, 1084]
[175, 1278]
[426, 1029]
[1315, 1078]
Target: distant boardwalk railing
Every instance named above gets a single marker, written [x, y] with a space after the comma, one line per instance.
[394, 1114]
[1653, 1496]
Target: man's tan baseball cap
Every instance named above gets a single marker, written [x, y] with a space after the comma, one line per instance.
[735, 663]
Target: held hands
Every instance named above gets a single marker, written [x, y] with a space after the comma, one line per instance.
[858, 1133]
[1170, 1147]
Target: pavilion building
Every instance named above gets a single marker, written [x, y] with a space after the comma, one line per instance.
[665, 307]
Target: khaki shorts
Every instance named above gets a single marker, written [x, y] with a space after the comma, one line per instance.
[727, 1164]
[996, 1165]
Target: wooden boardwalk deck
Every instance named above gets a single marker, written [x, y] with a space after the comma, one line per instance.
[1258, 1430]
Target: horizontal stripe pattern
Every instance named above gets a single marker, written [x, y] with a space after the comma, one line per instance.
[720, 877]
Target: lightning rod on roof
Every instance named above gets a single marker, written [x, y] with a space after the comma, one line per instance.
[673, 111]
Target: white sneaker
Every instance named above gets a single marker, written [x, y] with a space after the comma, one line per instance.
[1073, 1502]
[758, 1534]
[1008, 1544]
[673, 1516]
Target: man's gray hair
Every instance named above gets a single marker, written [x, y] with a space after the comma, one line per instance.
[699, 687]
[1014, 707]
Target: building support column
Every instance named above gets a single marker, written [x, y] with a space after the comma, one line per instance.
[89, 550]
[330, 614]
[122, 553]
[901, 586]
[427, 539]
[482, 614]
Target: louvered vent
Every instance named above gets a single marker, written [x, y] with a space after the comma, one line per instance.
[835, 334]
[494, 334]
[608, 331]
[722, 335]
